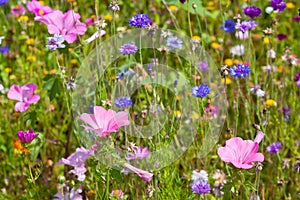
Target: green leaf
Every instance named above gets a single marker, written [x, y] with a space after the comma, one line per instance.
[53, 85]
[30, 117]
[35, 146]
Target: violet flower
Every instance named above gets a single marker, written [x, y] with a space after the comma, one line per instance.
[28, 136]
[146, 176]
[139, 153]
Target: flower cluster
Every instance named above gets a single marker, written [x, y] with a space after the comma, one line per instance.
[239, 71]
[274, 147]
[129, 48]
[279, 5]
[140, 21]
[123, 102]
[246, 25]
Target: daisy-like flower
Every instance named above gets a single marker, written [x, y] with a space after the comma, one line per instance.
[139, 153]
[129, 48]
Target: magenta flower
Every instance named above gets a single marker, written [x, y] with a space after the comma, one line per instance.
[77, 160]
[38, 9]
[139, 153]
[18, 10]
[117, 193]
[146, 176]
[24, 95]
[28, 136]
[66, 24]
[241, 153]
[104, 121]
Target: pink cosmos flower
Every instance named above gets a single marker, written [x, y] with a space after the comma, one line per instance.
[139, 153]
[104, 121]
[66, 24]
[38, 9]
[18, 10]
[28, 136]
[77, 160]
[241, 153]
[24, 95]
[146, 176]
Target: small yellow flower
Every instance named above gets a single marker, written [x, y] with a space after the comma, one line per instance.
[266, 40]
[211, 3]
[280, 69]
[215, 45]
[271, 102]
[173, 8]
[30, 41]
[8, 70]
[53, 71]
[177, 113]
[108, 18]
[42, 2]
[23, 18]
[31, 58]
[228, 62]
[73, 61]
[196, 38]
[195, 116]
[226, 80]
[11, 77]
[236, 61]
[45, 72]
[178, 98]
[290, 5]
[91, 193]
[70, 50]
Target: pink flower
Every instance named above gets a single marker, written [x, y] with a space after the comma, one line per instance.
[91, 21]
[117, 193]
[241, 153]
[77, 160]
[139, 153]
[146, 176]
[28, 136]
[66, 24]
[104, 121]
[38, 9]
[18, 10]
[24, 95]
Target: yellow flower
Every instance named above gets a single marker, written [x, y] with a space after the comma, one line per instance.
[177, 113]
[195, 116]
[42, 2]
[23, 18]
[236, 61]
[91, 193]
[271, 102]
[280, 69]
[215, 45]
[31, 58]
[70, 50]
[108, 18]
[73, 61]
[266, 40]
[290, 5]
[226, 80]
[7, 70]
[30, 41]
[228, 62]
[196, 38]
[11, 77]
[173, 8]
[53, 71]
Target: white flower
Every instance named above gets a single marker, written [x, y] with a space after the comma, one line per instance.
[202, 175]
[1, 38]
[271, 53]
[237, 50]
[269, 10]
[241, 35]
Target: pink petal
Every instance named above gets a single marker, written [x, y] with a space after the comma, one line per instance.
[15, 93]
[35, 98]
[69, 19]
[122, 119]
[21, 106]
[257, 157]
[70, 38]
[260, 135]
[53, 29]
[226, 154]
[89, 119]
[55, 18]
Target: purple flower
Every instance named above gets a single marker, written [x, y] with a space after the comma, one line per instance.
[252, 11]
[203, 66]
[297, 79]
[123, 102]
[229, 26]
[296, 18]
[246, 25]
[279, 5]
[122, 73]
[274, 147]
[200, 91]
[140, 21]
[2, 2]
[239, 71]
[128, 48]
[200, 186]
[139, 153]
[146, 176]
[28, 136]
[174, 42]
[77, 160]
[69, 195]
[286, 112]
[281, 36]
[4, 49]
[55, 42]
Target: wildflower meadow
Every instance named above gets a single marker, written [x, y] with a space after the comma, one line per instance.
[160, 99]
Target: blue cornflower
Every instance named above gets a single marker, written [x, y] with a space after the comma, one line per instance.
[274, 147]
[174, 42]
[55, 42]
[122, 73]
[200, 186]
[229, 26]
[240, 71]
[139, 21]
[200, 91]
[2, 2]
[4, 49]
[279, 5]
[128, 48]
[123, 102]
